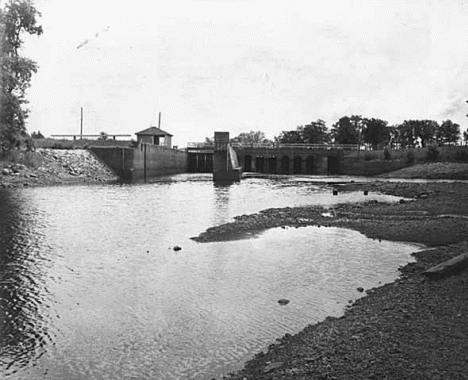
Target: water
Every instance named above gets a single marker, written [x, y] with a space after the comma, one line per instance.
[91, 288]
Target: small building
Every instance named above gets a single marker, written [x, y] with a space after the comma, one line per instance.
[155, 136]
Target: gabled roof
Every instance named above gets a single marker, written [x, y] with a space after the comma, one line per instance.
[153, 131]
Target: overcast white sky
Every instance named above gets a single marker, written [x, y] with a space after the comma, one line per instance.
[240, 65]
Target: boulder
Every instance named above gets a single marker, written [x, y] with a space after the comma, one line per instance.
[448, 267]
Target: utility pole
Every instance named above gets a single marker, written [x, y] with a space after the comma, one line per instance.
[81, 125]
[159, 122]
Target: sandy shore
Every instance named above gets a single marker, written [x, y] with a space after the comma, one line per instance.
[414, 328]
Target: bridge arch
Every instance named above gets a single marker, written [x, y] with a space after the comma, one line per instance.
[260, 164]
[248, 163]
[297, 165]
[285, 164]
[309, 165]
[272, 164]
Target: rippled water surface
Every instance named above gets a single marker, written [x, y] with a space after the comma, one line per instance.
[91, 288]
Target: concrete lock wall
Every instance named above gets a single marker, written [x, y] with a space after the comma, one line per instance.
[144, 161]
[120, 160]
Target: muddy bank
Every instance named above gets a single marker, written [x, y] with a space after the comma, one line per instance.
[414, 328]
[430, 213]
[46, 167]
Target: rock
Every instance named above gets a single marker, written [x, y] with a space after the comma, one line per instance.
[360, 289]
[402, 201]
[283, 301]
[177, 248]
[16, 168]
[452, 266]
[6, 171]
[272, 367]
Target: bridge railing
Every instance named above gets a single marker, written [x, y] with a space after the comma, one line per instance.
[194, 145]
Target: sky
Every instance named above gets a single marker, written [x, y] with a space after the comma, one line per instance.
[240, 65]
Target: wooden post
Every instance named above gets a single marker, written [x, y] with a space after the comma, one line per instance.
[81, 125]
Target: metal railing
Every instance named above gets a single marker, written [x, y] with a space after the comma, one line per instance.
[93, 137]
[201, 145]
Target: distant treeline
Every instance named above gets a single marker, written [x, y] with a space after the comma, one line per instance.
[376, 133]
[373, 133]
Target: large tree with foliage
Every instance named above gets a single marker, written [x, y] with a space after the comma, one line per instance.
[375, 132]
[448, 132]
[406, 136]
[425, 130]
[290, 137]
[413, 130]
[252, 137]
[315, 132]
[16, 18]
[348, 130]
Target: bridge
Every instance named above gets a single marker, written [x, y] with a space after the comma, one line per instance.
[273, 158]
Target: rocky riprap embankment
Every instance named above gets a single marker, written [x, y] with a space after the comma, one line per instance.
[56, 166]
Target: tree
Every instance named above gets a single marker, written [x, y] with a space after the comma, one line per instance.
[406, 137]
[315, 132]
[290, 137]
[37, 135]
[347, 130]
[465, 137]
[447, 133]
[103, 136]
[252, 137]
[17, 17]
[412, 130]
[425, 130]
[376, 133]
[394, 137]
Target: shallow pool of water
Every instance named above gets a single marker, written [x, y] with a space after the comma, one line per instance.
[91, 287]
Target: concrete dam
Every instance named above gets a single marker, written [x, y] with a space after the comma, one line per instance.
[228, 160]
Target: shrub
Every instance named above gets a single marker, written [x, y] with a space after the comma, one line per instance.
[367, 156]
[461, 156]
[410, 157]
[387, 154]
[432, 154]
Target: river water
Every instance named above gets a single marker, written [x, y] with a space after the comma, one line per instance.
[91, 287]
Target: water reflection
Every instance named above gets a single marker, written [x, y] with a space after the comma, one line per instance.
[221, 200]
[24, 317]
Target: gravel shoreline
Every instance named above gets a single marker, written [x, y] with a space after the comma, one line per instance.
[414, 328]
